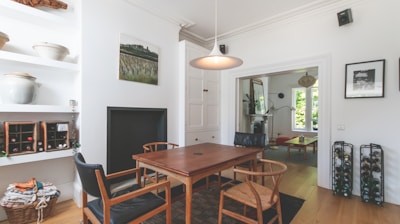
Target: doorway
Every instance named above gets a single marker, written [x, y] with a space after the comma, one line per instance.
[231, 108]
[279, 117]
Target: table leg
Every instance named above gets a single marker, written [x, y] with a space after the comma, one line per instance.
[138, 176]
[314, 147]
[189, 201]
[305, 152]
[288, 150]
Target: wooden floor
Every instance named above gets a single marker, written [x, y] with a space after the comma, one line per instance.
[320, 205]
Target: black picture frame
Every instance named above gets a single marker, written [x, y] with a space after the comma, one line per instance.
[365, 79]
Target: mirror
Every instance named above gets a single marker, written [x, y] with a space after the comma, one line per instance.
[257, 98]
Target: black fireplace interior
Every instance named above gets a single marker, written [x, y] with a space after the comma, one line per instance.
[128, 129]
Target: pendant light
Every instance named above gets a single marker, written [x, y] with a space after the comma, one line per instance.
[306, 80]
[216, 60]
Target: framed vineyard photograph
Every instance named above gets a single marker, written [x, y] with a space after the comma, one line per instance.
[138, 60]
[365, 79]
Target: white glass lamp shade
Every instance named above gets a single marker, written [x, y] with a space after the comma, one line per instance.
[216, 61]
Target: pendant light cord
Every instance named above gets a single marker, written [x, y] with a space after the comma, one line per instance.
[216, 21]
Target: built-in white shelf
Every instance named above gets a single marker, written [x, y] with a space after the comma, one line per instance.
[35, 157]
[21, 59]
[28, 108]
[22, 12]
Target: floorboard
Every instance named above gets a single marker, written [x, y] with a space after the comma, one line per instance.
[320, 205]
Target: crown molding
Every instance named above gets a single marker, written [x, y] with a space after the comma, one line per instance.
[142, 4]
[305, 11]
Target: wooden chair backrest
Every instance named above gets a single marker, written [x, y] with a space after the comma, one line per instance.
[155, 146]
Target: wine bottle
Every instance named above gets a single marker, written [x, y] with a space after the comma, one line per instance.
[376, 168]
[365, 197]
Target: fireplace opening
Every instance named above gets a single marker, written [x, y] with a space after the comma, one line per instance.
[127, 130]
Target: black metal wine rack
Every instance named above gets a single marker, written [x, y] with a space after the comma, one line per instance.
[342, 168]
[371, 174]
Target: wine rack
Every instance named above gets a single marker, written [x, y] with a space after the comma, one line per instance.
[20, 137]
[342, 168]
[371, 174]
[55, 135]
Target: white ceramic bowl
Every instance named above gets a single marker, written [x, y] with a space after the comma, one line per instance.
[50, 50]
[3, 39]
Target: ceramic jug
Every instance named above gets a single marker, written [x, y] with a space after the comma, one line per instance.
[18, 88]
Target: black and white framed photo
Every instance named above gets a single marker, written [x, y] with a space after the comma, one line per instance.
[365, 79]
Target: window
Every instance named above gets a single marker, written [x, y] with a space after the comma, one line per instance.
[305, 101]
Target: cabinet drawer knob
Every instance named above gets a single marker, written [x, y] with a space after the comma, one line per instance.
[196, 139]
[205, 90]
[213, 137]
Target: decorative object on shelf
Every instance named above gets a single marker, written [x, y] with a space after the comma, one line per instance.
[55, 4]
[74, 141]
[18, 88]
[138, 60]
[3, 39]
[51, 50]
[342, 168]
[307, 80]
[3, 153]
[365, 79]
[55, 135]
[216, 60]
[371, 174]
[20, 137]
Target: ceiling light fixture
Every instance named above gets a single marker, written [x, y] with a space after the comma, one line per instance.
[216, 60]
[307, 80]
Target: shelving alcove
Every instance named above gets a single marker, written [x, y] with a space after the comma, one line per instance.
[59, 80]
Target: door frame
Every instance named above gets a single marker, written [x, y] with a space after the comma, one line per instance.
[230, 106]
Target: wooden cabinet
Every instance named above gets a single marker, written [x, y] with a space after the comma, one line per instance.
[202, 97]
[20, 137]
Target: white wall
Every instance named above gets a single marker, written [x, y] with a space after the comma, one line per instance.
[373, 35]
[102, 23]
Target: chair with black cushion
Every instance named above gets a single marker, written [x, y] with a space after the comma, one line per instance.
[153, 176]
[131, 205]
[254, 195]
[250, 140]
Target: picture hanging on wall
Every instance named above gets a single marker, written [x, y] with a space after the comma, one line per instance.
[365, 79]
[138, 60]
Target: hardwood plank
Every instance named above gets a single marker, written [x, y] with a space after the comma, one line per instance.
[320, 205]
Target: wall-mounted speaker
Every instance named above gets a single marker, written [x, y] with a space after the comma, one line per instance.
[222, 48]
[345, 17]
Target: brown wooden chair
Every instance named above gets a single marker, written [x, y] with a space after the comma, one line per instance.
[153, 176]
[132, 205]
[254, 195]
[250, 140]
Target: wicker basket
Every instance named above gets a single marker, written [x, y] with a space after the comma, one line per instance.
[27, 213]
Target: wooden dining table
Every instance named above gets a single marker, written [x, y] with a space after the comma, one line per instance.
[190, 164]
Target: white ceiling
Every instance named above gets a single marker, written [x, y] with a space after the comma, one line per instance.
[197, 17]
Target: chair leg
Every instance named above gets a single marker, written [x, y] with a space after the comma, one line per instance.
[221, 206]
[279, 211]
